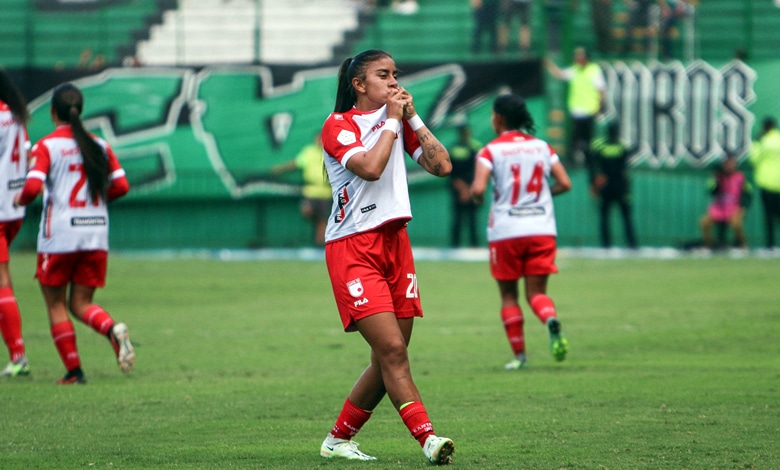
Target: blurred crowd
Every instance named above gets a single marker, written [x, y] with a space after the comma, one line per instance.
[619, 27]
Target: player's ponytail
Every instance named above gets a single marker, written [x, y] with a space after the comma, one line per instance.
[11, 96]
[68, 102]
[351, 68]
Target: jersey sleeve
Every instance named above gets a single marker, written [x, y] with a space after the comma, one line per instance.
[341, 138]
[118, 184]
[554, 158]
[411, 142]
[485, 158]
[40, 161]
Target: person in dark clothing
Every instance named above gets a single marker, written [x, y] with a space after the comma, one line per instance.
[611, 183]
[485, 23]
[464, 209]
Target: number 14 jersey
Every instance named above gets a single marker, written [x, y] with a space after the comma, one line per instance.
[522, 203]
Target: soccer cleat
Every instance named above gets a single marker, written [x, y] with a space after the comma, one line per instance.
[123, 348]
[344, 448]
[516, 364]
[75, 376]
[15, 368]
[558, 344]
[439, 450]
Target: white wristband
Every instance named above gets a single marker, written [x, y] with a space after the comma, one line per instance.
[416, 122]
[393, 125]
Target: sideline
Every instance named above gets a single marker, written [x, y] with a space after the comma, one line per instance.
[446, 254]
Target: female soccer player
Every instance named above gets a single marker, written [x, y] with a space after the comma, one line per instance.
[14, 144]
[79, 175]
[521, 233]
[367, 248]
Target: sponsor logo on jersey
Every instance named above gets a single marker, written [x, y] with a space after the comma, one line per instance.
[355, 288]
[87, 221]
[16, 184]
[525, 211]
[343, 200]
[362, 301]
[368, 208]
[346, 137]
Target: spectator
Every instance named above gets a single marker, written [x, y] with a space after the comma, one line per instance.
[730, 197]
[601, 17]
[464, 209]
[765, 158]
[555, 14]
[638, 30]
[509, 10]
[317, 197]
[587, 90]
[485, 19]
[671, 13]
[611, 184]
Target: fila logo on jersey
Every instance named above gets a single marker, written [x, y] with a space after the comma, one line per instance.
[363, 301]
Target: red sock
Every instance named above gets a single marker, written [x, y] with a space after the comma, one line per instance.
[65, 341]
[513, 324]
[11, 323]
[416, 420]
[350, 420]
[543, 307]
[98, 319]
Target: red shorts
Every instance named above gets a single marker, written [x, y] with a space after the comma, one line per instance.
[8, 231]
[373, 272]
[514, 258]
[81, 267]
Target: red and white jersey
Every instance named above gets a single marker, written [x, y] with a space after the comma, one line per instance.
[71, 221]
[14, 145]
[522, 203]
[360, 205]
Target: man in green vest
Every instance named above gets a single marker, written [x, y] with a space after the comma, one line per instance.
[765, 158]
[587, 90]
[317, 197]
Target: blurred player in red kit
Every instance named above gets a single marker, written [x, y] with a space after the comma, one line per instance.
[14, 145]
[79, 174]
[521, 230]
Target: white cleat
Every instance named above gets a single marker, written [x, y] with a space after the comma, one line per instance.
[439, 450]
[125, 355]
[344, 448]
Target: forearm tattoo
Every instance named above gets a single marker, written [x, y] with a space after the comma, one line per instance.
[432, 149]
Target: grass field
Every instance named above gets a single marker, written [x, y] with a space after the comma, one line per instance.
[673, 364]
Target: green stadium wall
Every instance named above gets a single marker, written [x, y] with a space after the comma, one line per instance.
[198, 146]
